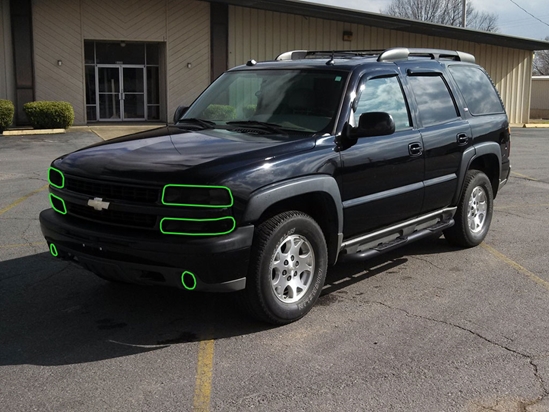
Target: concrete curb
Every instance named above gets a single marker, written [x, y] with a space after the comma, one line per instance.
[532, 125]
[28, 132]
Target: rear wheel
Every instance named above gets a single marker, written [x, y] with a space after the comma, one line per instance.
[288, 268]
[474, 212]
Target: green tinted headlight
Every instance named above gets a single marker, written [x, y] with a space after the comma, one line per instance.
[197, 196]
[197, 227]
[58, 204]
[56, 178]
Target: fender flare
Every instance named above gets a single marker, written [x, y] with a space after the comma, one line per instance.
[469, 155]
[269, 195]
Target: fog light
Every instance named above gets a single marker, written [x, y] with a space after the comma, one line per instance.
[53, 250]
[188, 280]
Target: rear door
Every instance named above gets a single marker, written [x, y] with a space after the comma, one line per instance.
[444, 132]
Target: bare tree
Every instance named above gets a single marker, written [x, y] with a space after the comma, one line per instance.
[541, 62]
[448, 12]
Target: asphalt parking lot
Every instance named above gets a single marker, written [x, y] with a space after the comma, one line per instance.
[426, 328]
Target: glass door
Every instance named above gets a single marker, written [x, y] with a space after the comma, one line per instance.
[109, 93]
[121, 92]
[133, 92]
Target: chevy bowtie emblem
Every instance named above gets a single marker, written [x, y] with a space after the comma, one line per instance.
[98, 204]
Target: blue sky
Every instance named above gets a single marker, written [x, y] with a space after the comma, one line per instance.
[511, 19]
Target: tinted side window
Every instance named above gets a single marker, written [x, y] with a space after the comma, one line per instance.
[477, 90]
[434, 101]
[384, 95]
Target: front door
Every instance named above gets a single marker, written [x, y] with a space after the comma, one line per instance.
[121, 92]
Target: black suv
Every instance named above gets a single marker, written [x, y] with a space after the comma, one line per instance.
[282, 168]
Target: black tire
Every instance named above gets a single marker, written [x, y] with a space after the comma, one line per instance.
[474, 211]
[287, 270]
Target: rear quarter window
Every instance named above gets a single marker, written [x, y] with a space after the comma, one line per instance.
[433, 98]
[477, 90]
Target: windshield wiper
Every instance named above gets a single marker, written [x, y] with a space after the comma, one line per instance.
[200, 123]
[272, 127]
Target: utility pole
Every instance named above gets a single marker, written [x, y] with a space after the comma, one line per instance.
[464, 13]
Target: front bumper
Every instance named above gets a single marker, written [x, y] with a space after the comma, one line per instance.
[215, 263]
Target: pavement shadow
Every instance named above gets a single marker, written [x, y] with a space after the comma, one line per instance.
[346, 274]
[55, 313]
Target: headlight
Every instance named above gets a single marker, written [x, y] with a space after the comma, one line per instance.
[58, 204]
[197, 196]
[56, 178]
[197, 227]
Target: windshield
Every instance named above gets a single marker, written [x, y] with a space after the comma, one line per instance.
[286, 100]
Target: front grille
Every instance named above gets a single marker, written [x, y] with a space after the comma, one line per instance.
[137, 220]
[113, 191]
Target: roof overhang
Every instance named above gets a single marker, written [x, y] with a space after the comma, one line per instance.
[321, 11]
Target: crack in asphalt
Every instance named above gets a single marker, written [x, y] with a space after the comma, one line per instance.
[25, 238]
[426, 261]
[539, 378]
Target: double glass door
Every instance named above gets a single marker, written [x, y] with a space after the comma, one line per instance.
[121, 92]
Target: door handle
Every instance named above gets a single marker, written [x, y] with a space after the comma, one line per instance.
[462, 139]
[415, 149]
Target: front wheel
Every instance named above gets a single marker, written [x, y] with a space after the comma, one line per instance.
[474, 212]
[287, 270]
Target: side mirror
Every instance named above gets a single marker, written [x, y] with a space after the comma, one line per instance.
[180, 111]
[374, 124]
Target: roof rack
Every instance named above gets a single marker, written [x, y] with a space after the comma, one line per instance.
[387, 55]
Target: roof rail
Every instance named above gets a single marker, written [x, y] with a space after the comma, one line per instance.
[317, 54]
[403, 53]
[387, 55]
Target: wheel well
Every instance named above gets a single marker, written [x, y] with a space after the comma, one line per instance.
[489, 165]
[320, 206]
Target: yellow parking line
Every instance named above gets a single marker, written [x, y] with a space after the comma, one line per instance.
[22, 245]
[516, 266]
[22, 199]
[203, 384]
[524, 176]
[521, 206]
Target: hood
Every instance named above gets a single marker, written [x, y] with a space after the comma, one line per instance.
[155, 156]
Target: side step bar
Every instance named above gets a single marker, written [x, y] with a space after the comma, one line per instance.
[396, 243]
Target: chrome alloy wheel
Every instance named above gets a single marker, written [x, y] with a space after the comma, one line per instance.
[478, 207]
[292, 268]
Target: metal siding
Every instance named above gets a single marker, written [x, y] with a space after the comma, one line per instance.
[52, 42]
[138, 20]
[185, 25]
[540, 92]
[188, 35]
[509, 68]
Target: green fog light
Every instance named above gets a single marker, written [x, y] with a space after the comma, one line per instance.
[53, 250]
[188, 280]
